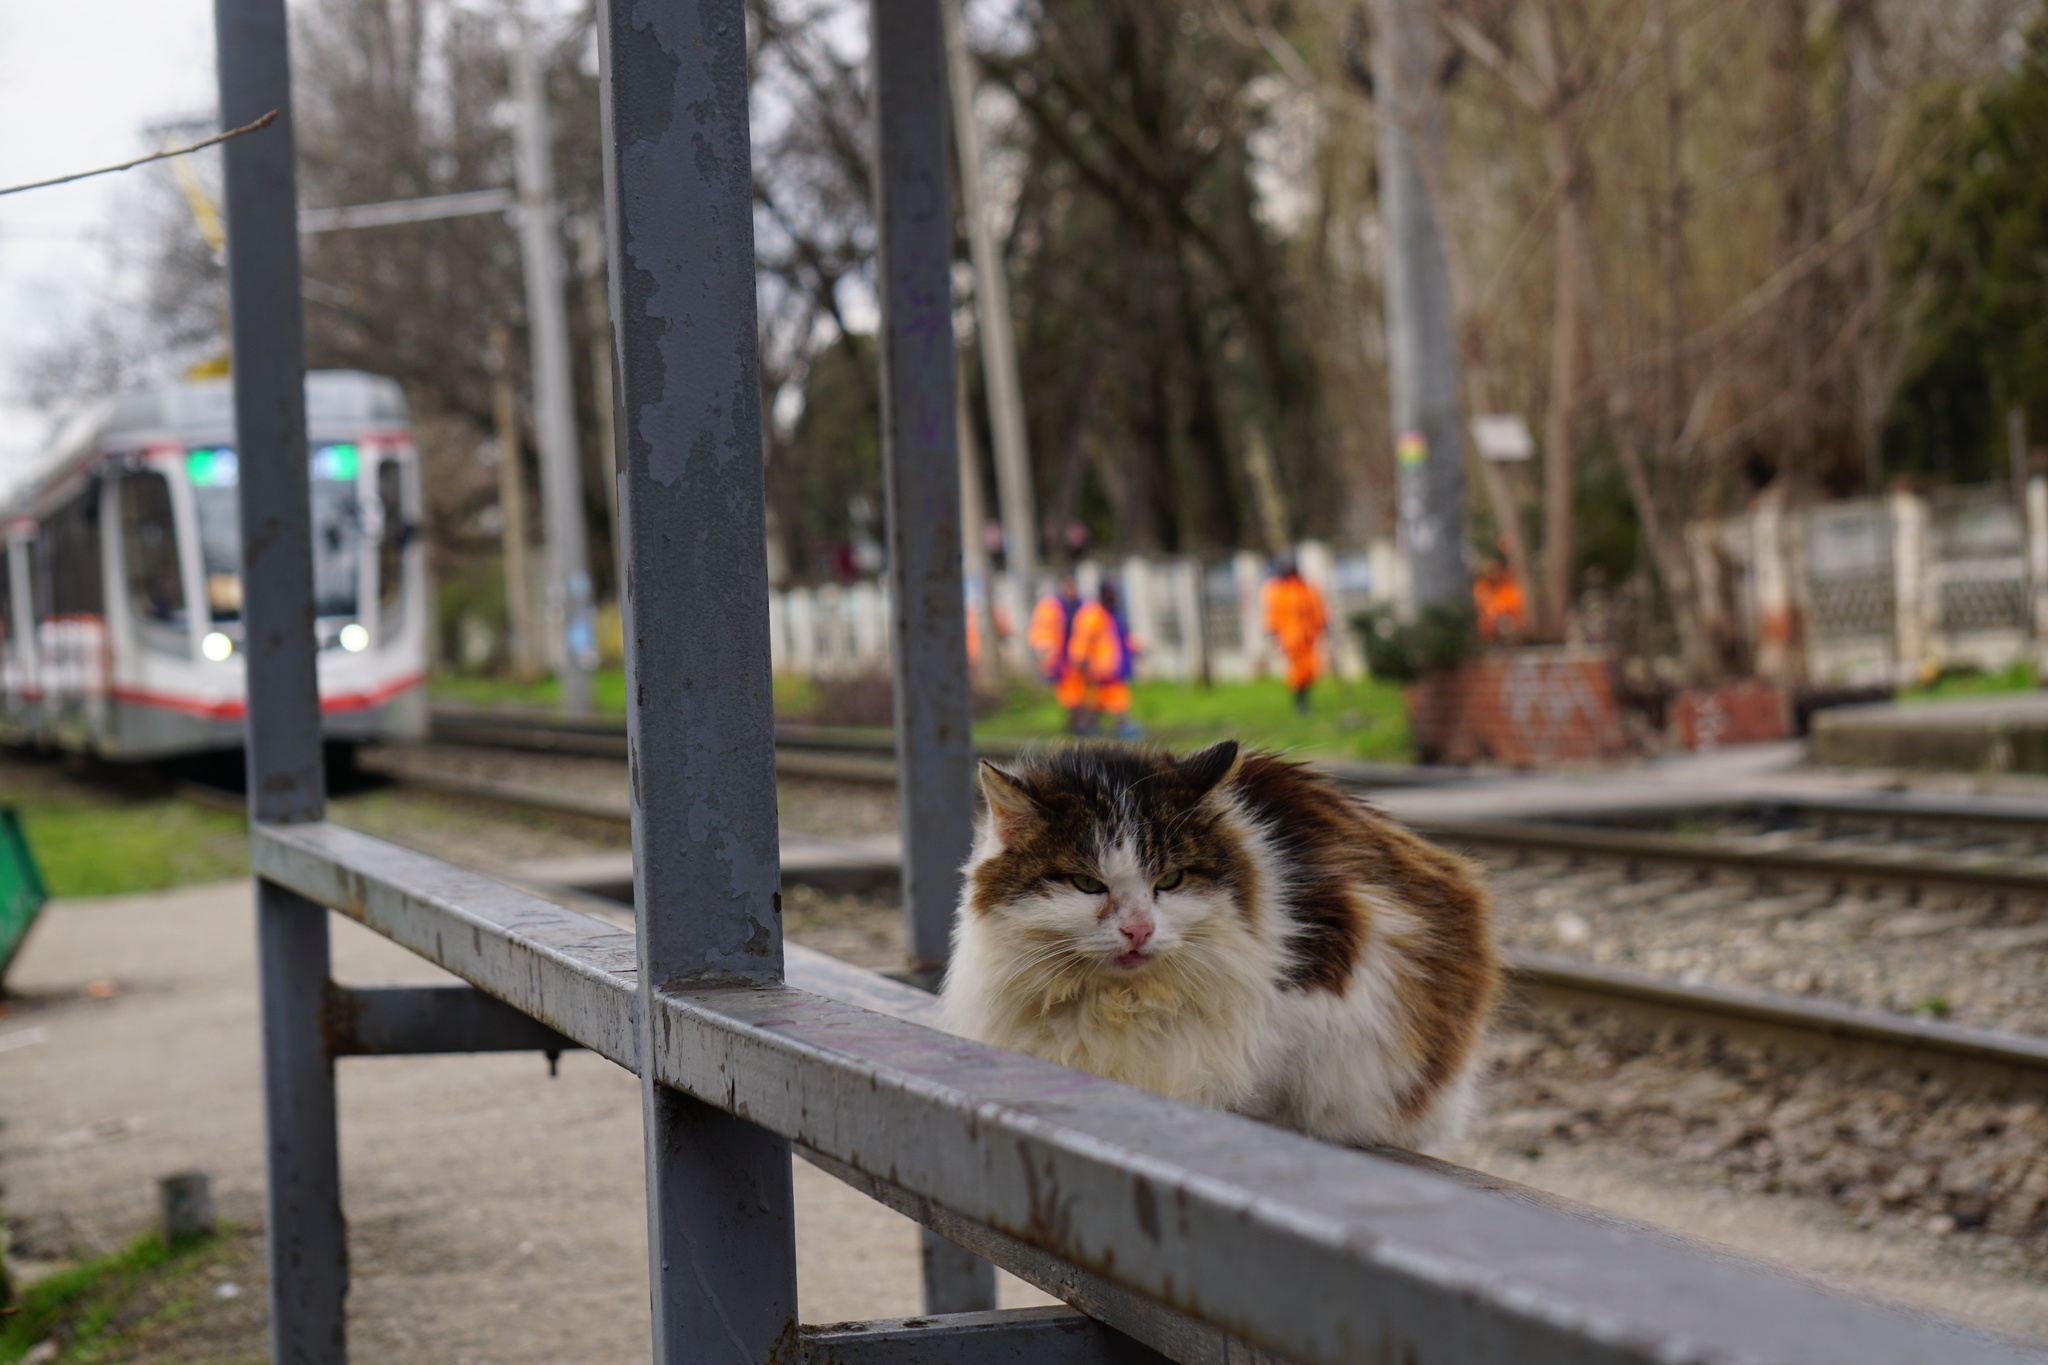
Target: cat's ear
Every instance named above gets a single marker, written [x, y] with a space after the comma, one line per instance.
[1212, 768]
[1009, 804]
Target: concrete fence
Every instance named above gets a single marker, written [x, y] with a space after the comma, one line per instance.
[1192, 619]
[1878, 591]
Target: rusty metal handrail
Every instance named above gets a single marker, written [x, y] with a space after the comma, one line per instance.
[1314, 1252]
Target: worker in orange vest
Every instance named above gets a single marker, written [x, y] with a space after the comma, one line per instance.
[1296, 619]
[1100, 648]
[1497, 593]
[1052, 623]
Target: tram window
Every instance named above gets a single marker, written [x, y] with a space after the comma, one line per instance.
[337, 512]
[337, 535]
[391, 541]
[149, 544]
[213, 474]
[71, 557]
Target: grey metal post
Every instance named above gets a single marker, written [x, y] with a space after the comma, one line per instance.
[307, 1242]
[921, 476]
[1422, 350]
[921, 470]
[678, 194]
[573, 647]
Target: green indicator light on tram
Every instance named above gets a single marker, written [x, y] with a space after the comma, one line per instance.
[337, 462]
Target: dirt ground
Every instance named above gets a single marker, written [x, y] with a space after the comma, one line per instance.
[495, 1214]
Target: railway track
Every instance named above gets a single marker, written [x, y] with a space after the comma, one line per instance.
[1546, 978]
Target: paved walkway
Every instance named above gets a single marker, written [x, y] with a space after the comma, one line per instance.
[496, 1215]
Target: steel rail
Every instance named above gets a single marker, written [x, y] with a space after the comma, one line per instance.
[1317, 1253]
[866, 753]
[1914, 867]
[1822, 1019]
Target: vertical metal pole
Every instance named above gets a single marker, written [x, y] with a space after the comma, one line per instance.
[307, 1242]
[678, 194]
[1422, 352]
[574, 643]
[921, 470]
[993, 325]
[921, 476]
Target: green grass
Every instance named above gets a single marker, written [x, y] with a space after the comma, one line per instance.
[2019, 677]
[82, 1308]
[89, 844]
[607, 691]
[1362, 720]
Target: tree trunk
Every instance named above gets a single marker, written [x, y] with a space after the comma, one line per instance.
[1566, 332]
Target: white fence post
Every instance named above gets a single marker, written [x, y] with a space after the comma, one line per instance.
[1194, 619]
[1909, 564]
[1140, 616]
[2037, 563]
[1250, 573]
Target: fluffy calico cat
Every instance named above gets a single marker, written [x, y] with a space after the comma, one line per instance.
[1228, 928]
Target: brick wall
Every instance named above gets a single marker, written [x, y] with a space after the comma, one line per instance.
[1750, 711]
[1522, 709]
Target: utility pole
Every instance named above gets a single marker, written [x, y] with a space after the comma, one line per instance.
[574, 640]
[512, 508]
[1422, 349]
[597, 316]
[992, 325]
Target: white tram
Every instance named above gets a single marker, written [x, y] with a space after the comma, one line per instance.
[121, 588]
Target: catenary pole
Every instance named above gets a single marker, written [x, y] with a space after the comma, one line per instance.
[921, 480]
[993, 326]
[1422, 350]
[305, 1239]
[573, 647]
[679, 213]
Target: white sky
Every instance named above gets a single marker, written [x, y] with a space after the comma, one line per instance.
[78, 84]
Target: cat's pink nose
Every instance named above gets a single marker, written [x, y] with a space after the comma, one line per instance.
[1136, 934]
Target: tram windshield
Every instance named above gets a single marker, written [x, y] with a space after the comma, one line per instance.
[337, 520]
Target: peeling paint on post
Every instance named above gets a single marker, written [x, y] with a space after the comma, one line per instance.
[921, 477]
[700, 723]
[307, 1242]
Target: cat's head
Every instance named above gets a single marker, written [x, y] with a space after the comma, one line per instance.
[1109, 860]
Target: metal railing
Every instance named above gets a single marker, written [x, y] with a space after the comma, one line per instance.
[1177, 1232]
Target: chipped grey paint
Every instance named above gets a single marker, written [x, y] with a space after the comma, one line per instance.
[921, 483]
[1314, 1252]
[307, 1242]
[699, 714]
[1018, 1336]
[921, 470]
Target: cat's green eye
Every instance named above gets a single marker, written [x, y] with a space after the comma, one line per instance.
[1170, 880]
[1086, 884]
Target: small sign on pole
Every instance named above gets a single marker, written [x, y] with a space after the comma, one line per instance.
[1503, 437]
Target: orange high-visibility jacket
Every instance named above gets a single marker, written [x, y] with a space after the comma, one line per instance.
[1098, 646]
[1294, 613]
[1501, 604]
[1051, 624]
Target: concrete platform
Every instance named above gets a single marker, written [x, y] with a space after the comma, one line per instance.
[857, 867]
[495, 1215]
[2007, 733]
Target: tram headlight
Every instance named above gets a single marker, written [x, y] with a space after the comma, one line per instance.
[355, 637]
[216, 647]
